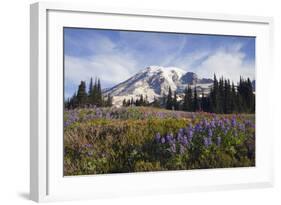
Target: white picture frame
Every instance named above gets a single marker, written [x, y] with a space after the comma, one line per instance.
[47, 182]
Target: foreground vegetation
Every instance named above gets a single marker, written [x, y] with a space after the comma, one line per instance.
[133, 139]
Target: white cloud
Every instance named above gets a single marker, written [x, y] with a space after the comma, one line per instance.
[112, 69]
[227, 61]
[189, 61]
[228, 65]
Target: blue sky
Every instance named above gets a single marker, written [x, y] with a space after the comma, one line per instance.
[114, 56]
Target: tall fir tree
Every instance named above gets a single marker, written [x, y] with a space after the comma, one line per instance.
[90, 90]
[93, 94]
[233, 97]
[205, 103]
[90, 86]
[187, 101]
[169, 103]
[226, 97]
[214, 96]
[99, 94]
[141, 101]
[82, 94]
[109, 100]
[124, 103]
[195, 100]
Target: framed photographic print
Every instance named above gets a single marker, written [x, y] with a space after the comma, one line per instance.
[127, 102]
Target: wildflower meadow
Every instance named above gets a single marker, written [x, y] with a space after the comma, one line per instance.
[135, 139]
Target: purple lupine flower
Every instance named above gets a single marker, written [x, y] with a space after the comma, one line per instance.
[216, 118]
[169, 138]
[205, 123]
[226, 120]
[209, 141]
[161, 115]
[220, 123]
[198, 128]
[226, 129]
[205, 141]
[181, 131]
[88, 145]
[163, 140]
[158, 137]
[241, 127]
[66, 123]
[210, 133]
[173, 148]
[184, 141]
[182, 149]
[218, 141]
[212, 124]
[180, 135]
[247, 122]
[190, 134]
[233, 122]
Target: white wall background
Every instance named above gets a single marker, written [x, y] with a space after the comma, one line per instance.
[14, 101]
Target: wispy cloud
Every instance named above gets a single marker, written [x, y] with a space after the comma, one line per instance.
[228, 65]
[112, 69]
[228, 61]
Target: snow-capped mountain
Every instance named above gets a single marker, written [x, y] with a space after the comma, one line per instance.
[154, 82]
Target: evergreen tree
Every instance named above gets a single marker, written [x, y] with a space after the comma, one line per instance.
[137, 103]
[141, 101]
[187, 101]
[227, 97]
[220, 102]
[67, 104]
[124, 103]
[90, 90]
[214, 96]
[195, 100]
[93, 94]
[189, 98]
[146, 101]
[169, 103]
[233, 96]
[108, 102]
[81, 94]
[99, 94]
[205, 104]
[90, 87]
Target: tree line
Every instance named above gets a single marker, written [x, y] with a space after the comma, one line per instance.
[141, 101]
[224, 97]
[92, 97]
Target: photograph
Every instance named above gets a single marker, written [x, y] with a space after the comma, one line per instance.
[143, 101]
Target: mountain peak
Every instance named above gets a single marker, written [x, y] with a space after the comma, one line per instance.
[154, 68]
[154, 81]
[189, 78]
